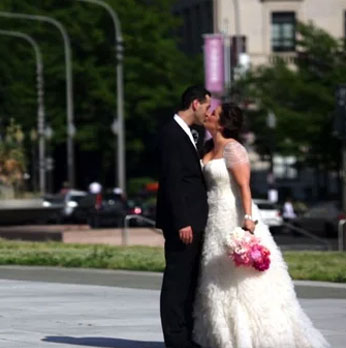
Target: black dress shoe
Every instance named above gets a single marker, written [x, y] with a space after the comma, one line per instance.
[195, 345]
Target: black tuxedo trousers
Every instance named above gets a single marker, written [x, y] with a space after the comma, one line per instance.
[181, 202]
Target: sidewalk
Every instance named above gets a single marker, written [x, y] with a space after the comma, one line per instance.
[49, 310]
[83, 234]
[43, 315]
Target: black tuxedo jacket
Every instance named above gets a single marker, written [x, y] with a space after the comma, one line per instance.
[182, 197]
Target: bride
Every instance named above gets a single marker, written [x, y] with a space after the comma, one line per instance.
[239, 307]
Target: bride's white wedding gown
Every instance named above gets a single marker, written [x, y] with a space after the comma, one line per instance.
[239, 307]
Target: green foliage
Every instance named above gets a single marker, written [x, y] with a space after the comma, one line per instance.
[302, 97]
[314, 265]
[136, 185]
[308, 265]
[87, 256]
[155, 73]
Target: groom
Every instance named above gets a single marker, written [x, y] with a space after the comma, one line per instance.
[182, 214]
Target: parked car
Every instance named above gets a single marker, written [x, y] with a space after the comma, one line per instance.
[102, 210]
[52, 201]
[71, 202]
[322, 219]
[140, 207]
[270, 213]
[68, 202]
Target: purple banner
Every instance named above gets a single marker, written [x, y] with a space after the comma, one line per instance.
[215, 102]
[214, 63]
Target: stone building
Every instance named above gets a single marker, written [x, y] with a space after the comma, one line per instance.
[266, 27]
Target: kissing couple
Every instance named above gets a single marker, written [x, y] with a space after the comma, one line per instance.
[207, 300]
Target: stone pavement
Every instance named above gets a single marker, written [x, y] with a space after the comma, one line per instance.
[49, 308]
[37, 315]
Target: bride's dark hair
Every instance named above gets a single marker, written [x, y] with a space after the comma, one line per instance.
[231, 119]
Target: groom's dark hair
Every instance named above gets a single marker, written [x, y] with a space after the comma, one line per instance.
[191, 93]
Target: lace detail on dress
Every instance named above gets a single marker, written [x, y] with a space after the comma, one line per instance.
[238, 307]
[235, 154]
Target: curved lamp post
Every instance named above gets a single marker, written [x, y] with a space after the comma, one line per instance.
[69, 84]
[118, 126]
[40, 102]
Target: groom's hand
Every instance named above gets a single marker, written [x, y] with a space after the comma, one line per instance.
[186, 235]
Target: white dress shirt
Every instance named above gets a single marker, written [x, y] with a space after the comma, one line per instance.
[185, 128]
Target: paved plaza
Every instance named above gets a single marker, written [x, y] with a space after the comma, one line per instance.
[48, 307]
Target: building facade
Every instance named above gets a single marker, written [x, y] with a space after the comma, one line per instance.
[266, 27]
[197, 19]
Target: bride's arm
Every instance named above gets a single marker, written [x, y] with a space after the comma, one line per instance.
[241, 175]
[237, 161]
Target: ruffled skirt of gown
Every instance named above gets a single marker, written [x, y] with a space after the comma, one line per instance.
[239, 307]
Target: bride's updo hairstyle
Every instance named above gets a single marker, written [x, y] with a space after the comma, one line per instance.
[231, 119]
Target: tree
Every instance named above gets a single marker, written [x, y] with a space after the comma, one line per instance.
[156, 72]
[12, 157]
[302, 97]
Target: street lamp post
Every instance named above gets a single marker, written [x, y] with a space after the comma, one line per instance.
[271, 124]
[33, 138]
[118, 126]
[69, 84]
[40, 102]
[49, 161]
[237, 28]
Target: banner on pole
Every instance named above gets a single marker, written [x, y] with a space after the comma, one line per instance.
[214, 63]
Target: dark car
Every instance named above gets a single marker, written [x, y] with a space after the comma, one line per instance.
[102, 210]
[142, 208]
[322, 219]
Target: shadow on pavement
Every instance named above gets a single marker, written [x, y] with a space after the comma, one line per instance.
[102, 342]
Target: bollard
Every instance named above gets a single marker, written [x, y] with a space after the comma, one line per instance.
[342, 236]
[125, 230]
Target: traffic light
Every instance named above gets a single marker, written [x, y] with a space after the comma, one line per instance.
[340, 112]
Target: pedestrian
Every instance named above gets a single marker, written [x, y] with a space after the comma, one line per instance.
[288, 211]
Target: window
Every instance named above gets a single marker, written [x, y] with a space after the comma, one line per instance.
[283, 31]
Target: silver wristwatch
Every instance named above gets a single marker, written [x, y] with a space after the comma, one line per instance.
[248, 217]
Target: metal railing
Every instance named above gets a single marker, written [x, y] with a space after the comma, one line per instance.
[128, 218]
[328, 246]
[308, 234]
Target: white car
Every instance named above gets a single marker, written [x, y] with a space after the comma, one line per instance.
[67, 202]
[270, 213]
[71, 201]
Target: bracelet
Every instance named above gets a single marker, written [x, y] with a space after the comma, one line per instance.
[248, 217]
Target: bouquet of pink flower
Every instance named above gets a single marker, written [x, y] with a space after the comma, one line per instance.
[245, 249]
